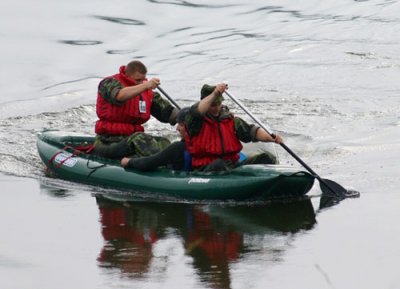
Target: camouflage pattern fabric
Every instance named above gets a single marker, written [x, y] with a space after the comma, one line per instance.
[146, 145]
[244, 131]
[138, 144]
[112, 149]
[109, 88]
[160, 108]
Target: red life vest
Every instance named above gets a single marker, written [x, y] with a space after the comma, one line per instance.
[115, 225]
[217, 139]
[126, 118]
[220, 247]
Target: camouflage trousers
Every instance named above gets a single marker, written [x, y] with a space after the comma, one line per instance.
[138, 144]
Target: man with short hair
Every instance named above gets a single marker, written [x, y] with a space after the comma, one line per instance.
[125, 101]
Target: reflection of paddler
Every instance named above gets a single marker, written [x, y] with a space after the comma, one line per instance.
[212, 234]
[218, 246]
[211, 247]
[117, 226]
[124, 234]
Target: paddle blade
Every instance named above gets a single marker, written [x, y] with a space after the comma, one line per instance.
[332, 188]
[333, 193]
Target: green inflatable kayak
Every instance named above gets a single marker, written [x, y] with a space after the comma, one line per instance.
[63, 155]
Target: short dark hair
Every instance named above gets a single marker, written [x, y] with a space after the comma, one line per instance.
[180, 118]
[135, 66]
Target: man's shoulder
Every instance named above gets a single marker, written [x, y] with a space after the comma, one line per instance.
[109, 88]
[107, 80]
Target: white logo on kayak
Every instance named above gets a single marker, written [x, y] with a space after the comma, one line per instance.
[66, 160]
[198, 180]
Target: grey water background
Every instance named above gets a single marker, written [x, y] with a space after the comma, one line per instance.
[324, 74]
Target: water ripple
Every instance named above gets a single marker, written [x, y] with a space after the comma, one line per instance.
[175, 31]
[126, 51]
[318, 16]
[81, 42]
[190, 4]
[71, 81]
[124, 21]
[218, 35]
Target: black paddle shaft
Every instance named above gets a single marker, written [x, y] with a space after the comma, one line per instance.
[167, 96]
[339, 193]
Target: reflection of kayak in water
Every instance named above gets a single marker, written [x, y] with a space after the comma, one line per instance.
[212, 235]
[283, 217]
[59, 151]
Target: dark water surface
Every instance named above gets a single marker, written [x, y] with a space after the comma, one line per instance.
[324, 74]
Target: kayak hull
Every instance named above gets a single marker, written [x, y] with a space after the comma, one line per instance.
[249, 182]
